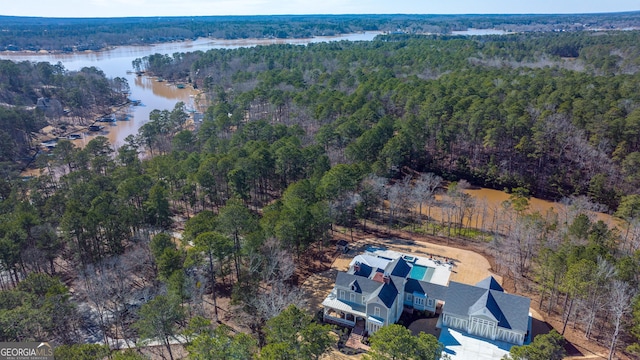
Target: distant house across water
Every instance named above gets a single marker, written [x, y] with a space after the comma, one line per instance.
[50, 107]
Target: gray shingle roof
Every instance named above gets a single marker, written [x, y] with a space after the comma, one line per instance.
[511, 311]
[489, 283]
[436, 291]
[364, 285]
[433, 291]
[486, 305]
[397, 282]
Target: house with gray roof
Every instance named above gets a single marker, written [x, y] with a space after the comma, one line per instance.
[485, 310]
[381, 284]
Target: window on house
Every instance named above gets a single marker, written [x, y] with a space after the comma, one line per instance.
[364, 299]
[352, 297]
[430, 302]
[341, 295]
[373, 328]
[483, 321]
[376, 311]
[408, 296]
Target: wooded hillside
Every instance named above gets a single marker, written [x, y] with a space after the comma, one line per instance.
[69, 97]
[554, 113]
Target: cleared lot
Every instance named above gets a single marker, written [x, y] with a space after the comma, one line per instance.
[469, 267]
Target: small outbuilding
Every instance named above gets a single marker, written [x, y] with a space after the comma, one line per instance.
[342, 246]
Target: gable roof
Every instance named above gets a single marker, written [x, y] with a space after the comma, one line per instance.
[365, 270]
[490, 283]
[414, 285]
[509, 310]
[388, 294]
[363, 285]
[488, 307]
[399, 267]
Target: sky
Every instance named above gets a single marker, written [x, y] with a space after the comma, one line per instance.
[124, 8]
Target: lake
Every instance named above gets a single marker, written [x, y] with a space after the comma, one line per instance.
[116, 62]
[487, 209]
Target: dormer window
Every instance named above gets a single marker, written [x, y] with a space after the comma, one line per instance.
[353, 287]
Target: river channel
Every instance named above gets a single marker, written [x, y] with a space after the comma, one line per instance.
[153, 94]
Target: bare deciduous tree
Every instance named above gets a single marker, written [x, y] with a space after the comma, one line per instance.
[395, 197]
[460, 204]
[424, 191]
[278, 297]
[576, 205]
[273, 263]
[620, 296]
[112, 286]
[596, 300]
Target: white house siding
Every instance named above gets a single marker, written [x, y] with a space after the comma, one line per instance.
[455, 322]
[482, 327]
[513, 337]
[351, 296]
[419, 301]
[374, 325]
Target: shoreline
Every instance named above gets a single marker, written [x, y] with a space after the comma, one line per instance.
[43, 52]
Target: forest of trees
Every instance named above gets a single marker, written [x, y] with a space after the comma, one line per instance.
[70, 34]
[301, 141]
[554, 113]
[84, 94]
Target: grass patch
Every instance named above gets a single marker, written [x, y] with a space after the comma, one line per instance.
[439, 229]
